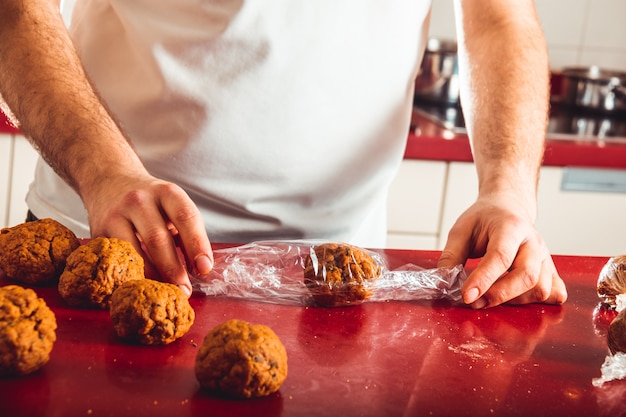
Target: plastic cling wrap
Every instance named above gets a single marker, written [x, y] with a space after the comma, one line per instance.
[612, 281]
[322, 273]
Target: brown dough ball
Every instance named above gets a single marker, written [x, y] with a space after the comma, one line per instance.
[339, 274]
[617, 333]
[150, 312]
[34, 253]
[96, 269]
[27, 331]
[612, 280]
[241, 360]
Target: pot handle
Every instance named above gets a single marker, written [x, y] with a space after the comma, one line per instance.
[620, 92]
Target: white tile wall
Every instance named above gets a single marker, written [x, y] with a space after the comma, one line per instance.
[17, 170]
[578, 32]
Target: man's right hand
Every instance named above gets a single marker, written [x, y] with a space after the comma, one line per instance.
[159, 219]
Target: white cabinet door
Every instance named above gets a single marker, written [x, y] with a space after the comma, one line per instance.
[571, 222]
[461, 191]
[6, 152]
[415, 203]
[582, 222]
[24, 160]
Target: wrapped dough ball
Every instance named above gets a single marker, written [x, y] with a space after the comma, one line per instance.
[617, 333]
[96, 269]
[339, 274]
[150, 312]
[612, 280]
[241, 360]
[27, 331]
[34, 253]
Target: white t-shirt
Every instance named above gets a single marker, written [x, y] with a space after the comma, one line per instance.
[280, 118]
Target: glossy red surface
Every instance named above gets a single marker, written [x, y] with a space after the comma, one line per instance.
[6, 126]
[377, 359]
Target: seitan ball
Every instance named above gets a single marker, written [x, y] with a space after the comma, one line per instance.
[612, 280]
[27, 331]
[96, 269]
[34, 253]
[338, 274]
[150, 312]
[617, 333]
[241, 360]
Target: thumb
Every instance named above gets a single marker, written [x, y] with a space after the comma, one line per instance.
[455, 251]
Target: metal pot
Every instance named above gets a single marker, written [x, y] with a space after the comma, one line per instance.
[593, 88]
[438, 78]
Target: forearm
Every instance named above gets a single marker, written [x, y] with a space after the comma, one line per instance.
[505, 94]
[44, 84]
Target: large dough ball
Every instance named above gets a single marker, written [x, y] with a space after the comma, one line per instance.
[96, 269]
[241, 360]
[35, 253]
[339, 274]
[27, 331]
[150, 312]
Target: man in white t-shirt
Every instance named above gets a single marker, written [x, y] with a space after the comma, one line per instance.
[164, 121]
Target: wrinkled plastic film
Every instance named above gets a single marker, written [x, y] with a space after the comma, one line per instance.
[614, 367]
[273, 272]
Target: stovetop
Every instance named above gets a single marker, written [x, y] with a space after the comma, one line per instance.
[563, 124]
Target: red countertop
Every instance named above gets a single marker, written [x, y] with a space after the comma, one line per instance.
[6, 126]
[377, 359]
[430, 141]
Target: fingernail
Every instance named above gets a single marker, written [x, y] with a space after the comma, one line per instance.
[203, 264]
[471, 295]
[186, 290]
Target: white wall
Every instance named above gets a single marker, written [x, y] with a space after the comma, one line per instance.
[578, 32]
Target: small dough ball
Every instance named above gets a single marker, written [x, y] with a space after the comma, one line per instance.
[34, 253]
[339, 274]
[27, 331]
[150, 312]
[612, 280]
[241, 360]
[617, 333]
[96, 269]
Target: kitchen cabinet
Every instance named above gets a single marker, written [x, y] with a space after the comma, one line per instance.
[17, 168]
[415, 204]
[584, 216]
[573, 219]
[460, 193]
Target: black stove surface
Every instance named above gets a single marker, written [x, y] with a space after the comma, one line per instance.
[564, 123]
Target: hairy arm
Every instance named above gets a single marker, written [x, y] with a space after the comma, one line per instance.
[43, 82]
[505, 97]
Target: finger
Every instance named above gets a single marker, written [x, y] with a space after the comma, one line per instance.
[498, 258]
[528, 271]
[190, 231]
[122, 229]
[554, 293]
[159, 245]
[456, 250]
